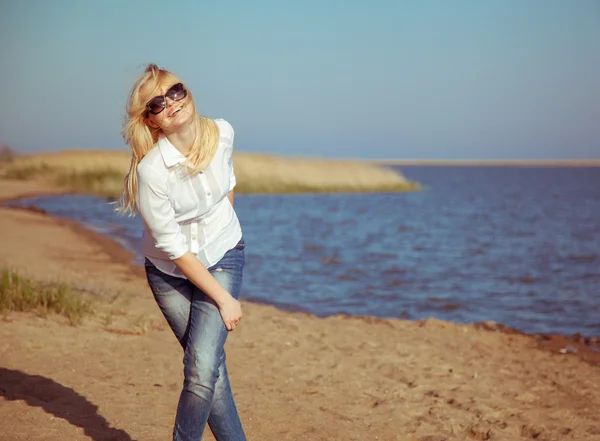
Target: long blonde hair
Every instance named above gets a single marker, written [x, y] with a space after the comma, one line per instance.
[141, 137]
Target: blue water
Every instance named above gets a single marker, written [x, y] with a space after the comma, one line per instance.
[515, 245]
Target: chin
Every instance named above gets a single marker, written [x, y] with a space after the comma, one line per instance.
[182, 119]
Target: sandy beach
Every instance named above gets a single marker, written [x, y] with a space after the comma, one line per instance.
[117, 376]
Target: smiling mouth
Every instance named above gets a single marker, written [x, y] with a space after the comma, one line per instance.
[175, 112]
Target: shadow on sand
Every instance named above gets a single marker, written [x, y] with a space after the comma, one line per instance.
[60, 401]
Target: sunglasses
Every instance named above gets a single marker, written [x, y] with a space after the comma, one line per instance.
[177, 92]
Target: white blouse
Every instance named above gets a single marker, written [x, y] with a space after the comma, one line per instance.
[183, 212]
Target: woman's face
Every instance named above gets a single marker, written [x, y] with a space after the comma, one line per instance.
[177, 111]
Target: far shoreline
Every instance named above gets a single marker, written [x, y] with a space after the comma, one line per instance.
[464, 162]
[488, 162]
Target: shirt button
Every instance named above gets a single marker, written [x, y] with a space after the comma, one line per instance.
[207, 194]
[193, 237]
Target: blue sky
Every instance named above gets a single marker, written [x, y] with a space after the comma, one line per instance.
[377, 79]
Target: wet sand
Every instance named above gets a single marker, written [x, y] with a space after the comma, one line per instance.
[295, 376]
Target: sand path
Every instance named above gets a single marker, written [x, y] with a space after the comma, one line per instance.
[295, 377]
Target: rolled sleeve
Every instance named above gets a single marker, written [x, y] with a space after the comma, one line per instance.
[157, 212]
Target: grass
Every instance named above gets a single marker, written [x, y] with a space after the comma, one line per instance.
[101, 172]
[97, 172]
[275, 174]
[19, 293]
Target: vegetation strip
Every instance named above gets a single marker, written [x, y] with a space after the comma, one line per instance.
[101, 172]
[20, 293]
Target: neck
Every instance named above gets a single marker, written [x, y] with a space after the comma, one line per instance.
[182, 138]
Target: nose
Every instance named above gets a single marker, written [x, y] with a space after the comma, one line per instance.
[168, 101]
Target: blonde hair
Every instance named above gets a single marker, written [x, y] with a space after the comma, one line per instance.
[141, 137]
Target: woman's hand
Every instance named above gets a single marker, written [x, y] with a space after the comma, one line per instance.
[229, 308]
[231, 313]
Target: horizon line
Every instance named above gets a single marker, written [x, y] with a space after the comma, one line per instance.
[491, 162]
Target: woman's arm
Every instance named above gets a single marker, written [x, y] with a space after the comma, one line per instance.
[196, 272]
[230, 197]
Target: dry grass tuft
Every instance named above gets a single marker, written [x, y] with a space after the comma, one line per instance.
[101, 172]
[19, 293]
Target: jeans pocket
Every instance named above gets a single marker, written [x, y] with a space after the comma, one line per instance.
[240, 245]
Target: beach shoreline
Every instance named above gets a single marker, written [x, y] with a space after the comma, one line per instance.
[113, 248]
[296, 376]
[586, 347]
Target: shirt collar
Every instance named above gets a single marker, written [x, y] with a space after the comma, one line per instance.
[171, 156]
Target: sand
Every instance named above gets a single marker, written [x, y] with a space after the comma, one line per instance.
[117, 376]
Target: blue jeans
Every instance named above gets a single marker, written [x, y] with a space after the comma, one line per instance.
[195, 319]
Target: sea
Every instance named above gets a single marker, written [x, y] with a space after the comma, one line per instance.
[514, 245]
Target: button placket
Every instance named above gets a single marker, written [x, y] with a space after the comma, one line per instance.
[194, 237]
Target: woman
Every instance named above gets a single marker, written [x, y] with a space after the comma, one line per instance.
[181, 181]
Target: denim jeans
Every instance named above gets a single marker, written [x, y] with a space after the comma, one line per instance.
[195, 319]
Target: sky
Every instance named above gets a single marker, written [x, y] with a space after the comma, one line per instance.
[480, 79]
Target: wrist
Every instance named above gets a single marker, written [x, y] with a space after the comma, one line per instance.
[222, 298]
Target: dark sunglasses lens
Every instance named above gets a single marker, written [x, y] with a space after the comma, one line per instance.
[156, 105]
[176, 92]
